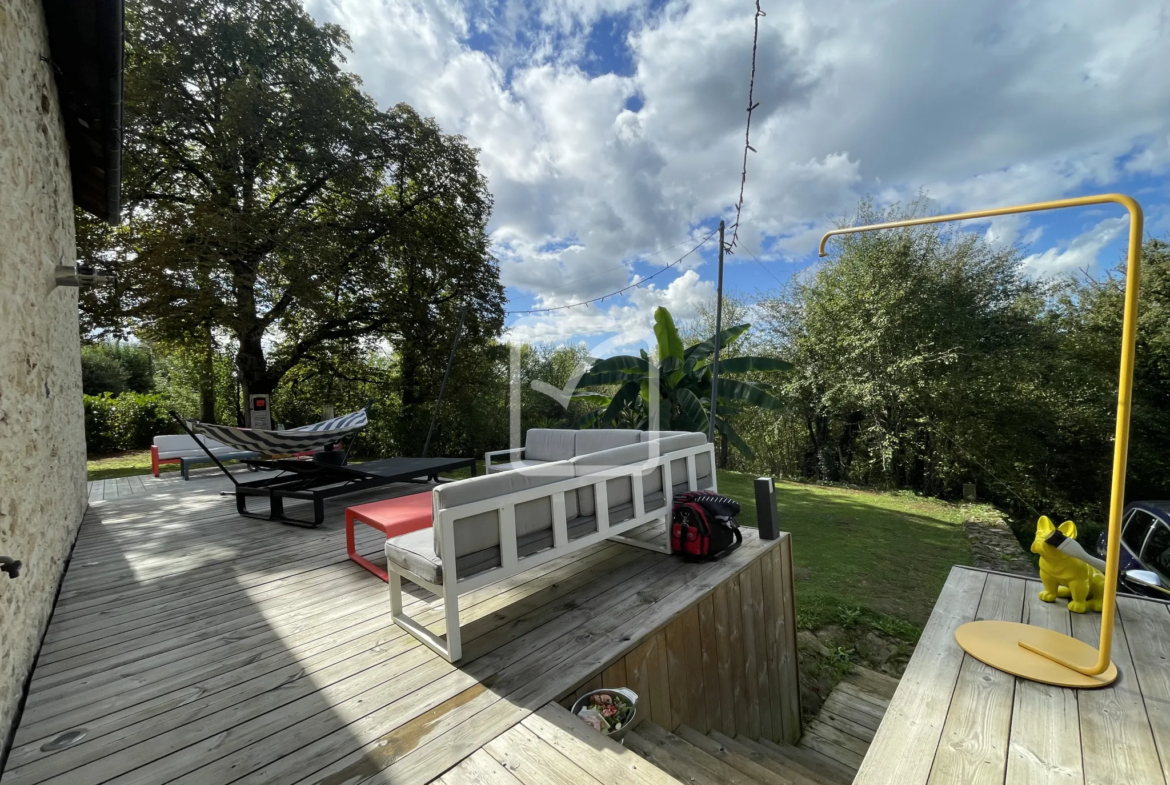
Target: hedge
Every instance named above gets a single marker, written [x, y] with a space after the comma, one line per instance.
[128, 421]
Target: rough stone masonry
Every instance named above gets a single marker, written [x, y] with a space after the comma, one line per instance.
[42, 437]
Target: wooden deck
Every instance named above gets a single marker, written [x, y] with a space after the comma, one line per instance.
[955, 720]
[191, 645]
[168, 481]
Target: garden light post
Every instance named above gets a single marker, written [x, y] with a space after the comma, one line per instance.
[1022, 649]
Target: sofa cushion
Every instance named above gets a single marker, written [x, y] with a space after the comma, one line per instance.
[514, 465]
[619, 490]
[678, 441]
[600, 439]
[678, 473]
[549, 444]
[182, 445]
[414, 553]
[481, 531]
[649, 436]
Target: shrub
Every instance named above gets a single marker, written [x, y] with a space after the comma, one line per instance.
[115, 368]
[129, 421]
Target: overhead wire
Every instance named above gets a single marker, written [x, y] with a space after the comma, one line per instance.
[747, 133]
[642, 258]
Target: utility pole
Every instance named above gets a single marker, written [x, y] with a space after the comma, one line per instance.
[718, 329]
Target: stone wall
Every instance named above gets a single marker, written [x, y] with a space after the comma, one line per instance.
[42, 437]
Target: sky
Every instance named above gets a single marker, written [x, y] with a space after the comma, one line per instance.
[611, 132]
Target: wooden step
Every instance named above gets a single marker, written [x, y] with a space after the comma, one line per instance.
[812, 759]
[856, 693]
[602, 757]
[871, 681]
[840, 719]
[681, 759]
[841, 747]
[793, 762]
[857, 711]
[740, 763]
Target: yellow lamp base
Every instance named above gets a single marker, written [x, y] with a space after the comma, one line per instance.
[997, 643]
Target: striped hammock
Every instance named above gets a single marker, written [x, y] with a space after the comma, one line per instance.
[303, 439]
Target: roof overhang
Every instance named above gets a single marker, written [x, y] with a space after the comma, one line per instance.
[85, 41]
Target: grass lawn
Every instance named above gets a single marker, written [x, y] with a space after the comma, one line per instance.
[876, 558]
[123, 464]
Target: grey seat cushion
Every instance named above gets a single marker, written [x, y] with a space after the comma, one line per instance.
[600, 439]
[414, 552]
[649, 436]
[514, 465]
[482, 531]
[549, 444]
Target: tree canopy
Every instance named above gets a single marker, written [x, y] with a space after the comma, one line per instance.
[268, 199]
[927, 357]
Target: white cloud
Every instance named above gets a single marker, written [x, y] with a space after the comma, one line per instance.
[855, 98]
[630, 324]
[1080, 254]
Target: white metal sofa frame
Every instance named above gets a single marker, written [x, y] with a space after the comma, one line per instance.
[511, 563]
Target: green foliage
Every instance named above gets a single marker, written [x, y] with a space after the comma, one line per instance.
[680, 380]
[269, 200]
[928, 359]
[101, 373]
[129, 421]
[116, 367]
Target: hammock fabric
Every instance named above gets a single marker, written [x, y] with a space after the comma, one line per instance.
[303, 439]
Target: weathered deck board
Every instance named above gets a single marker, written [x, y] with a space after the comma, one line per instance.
[973, 748]
[903, 748]
[1147, 627]
[194, 646]
[953, 719]
[1045, 750]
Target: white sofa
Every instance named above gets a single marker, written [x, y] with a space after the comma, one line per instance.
[549, 445]
[486, 529]
[184, 450]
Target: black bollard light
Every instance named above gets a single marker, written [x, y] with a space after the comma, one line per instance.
[767, 517]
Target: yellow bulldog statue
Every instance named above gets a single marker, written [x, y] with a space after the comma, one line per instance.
[1064, 575]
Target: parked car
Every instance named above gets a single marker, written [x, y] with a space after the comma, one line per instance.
[1145, 549]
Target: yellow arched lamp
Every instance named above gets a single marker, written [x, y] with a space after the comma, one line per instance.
[1022, 649]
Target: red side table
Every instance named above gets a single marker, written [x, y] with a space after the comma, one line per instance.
[393, 517]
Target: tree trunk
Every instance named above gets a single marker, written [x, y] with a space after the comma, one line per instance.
[254, 375]
[724, 451]
[207, 381]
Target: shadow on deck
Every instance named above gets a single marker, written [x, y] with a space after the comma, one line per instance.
[192, 645]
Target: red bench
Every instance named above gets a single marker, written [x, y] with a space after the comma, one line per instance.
[392, 517]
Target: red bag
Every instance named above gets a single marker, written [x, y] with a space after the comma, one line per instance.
[703, 526]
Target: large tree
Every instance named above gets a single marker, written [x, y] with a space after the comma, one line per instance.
[270, 201]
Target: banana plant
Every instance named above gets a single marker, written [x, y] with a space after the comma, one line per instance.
[682, 378]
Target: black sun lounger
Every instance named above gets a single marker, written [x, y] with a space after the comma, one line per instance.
[308, 479]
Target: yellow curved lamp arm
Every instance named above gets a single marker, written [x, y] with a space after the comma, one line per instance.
[1124, 390]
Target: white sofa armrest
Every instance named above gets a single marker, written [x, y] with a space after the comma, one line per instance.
[487, 457]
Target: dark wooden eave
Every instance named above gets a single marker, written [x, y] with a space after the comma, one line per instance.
[85, 41]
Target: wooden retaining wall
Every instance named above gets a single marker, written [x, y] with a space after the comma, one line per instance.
[726, 663]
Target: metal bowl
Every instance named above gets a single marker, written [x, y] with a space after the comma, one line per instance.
[626, 694]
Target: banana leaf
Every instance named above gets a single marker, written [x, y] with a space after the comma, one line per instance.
[737, 442]
[692, 413]
[745, 364]
[621, 399]
[670, 346]
[726, 338]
